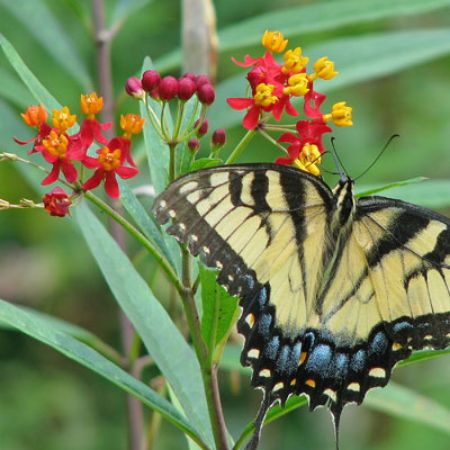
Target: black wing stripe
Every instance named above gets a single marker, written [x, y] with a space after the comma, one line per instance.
[400, 231]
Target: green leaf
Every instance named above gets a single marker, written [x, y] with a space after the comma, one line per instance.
[364, 191]
[37, 17]
[430, 193]
[402, 402]
[204, 163]
[153, 232]
[33, 325]
[423, 355]
[219, 312]
[39, 92]
[316, 17]
[13, 90]
[125, 8]
[161, 337]
[360, 58]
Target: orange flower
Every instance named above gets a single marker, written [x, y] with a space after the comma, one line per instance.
[91, 104]
[35, 116]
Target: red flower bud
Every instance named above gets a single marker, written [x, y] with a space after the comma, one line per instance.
[203, 129]
[191, 76]
[186, 88]
[219, 137]
[57, 202]
[133, 86]
[168, 88]
[206, 94]
[202, 79]
[193, 144]
[150, 80]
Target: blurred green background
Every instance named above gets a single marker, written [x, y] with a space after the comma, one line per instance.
[48, 402]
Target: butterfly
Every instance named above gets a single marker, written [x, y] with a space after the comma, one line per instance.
[334, 290]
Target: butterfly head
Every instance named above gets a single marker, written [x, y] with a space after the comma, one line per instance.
[344, 200]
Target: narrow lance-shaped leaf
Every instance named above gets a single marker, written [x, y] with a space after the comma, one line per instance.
[161, 337]
[39, 92]
[34, 325]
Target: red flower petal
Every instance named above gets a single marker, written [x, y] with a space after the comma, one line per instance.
[283, 161]
[111, 186]
[127, 172]
[251, 119]
[53, 175]
[288, 137]
[240, 103]
[91, 163]
[95, 180]
[69, 171]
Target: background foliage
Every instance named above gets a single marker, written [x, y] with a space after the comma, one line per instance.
[394, 66]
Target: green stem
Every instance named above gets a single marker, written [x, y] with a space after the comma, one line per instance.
[179, 119]
[209, 372]
[172, 168]
[153, 118]
[278, 127]
[272, 140]
[240, 147]
[160, 260]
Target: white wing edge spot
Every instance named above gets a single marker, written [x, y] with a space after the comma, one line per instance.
[354, 387]
[162, 204]
[265, 373]
[172, 213]
[377, 372]
[253, 353]
[278, 386]
[206, 250]
[219, 265]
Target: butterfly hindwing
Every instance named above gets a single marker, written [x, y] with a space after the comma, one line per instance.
[327, 310]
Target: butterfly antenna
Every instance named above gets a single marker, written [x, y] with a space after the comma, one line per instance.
[378, 156]
[265, 405]
[337, 161]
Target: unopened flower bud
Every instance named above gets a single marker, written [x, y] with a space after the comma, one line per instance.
[218, 138]
[168, 88]
[133, 87]
[202, 79]
[191, 76]
[203, 128]
[150, 80]
[186, 88]
[57, 202]
[193, 145]
[206, 93]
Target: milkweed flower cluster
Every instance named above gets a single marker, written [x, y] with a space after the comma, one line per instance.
[67, 152]
[273, 87]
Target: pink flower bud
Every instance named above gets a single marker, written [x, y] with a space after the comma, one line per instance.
[193, 144]
[202, 79]
[168, 88]
[203, 129]
[150, 80]
[186, 88]
[219, 137]
[206, 93]
[133, 86]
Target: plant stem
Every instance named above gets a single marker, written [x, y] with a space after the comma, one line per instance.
[209, 372]
[240, 147]
[272, 140]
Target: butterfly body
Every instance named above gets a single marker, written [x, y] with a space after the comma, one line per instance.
[334, 290]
